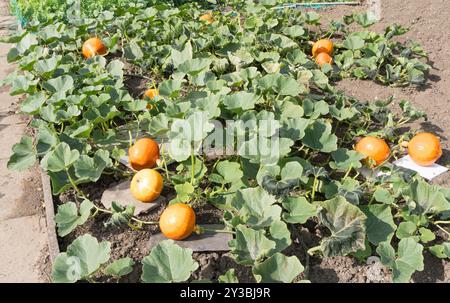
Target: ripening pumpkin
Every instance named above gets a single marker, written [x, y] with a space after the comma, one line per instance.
[373, 148]
[143, 154]
[151, 93]
[322, 46]
[424, 149]
[92, 47]
[146, 185]
[177, 221]
[207, 17]
[323, 58]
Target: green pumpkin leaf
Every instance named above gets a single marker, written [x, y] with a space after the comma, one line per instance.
[184, 192]
[186, 135]
[229, 277]
[68, 217]
[382, 195]
[294, 31]
[380, 226]
[59, 85]
[279, 232]
[240, 101]
[47, 66]
[266, 151]
[179, 57]
[168, 262]
[345, 159]
[91, 169]
[194, 66]
[426, 199]
[23, 156]
[60, 158]
[354, 43]
[405, 262]
[347, 225]
[278, 269]
[33, 103]
[257, 206]
[231, 172]
[115, 68]
[83, 257]
[294, 129]
[406, 230]
[133, 51]
[348, 188]
[120, 267]
[120, 214]
[426, 235]
[170, 88]
[442, 251]
[299, 210]
[250, 245]
[318, 136]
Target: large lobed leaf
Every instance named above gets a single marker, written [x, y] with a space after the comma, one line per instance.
[250, 245]
[168, 262]
[83, 257]
[278, 269]
[256, 206]
[405, 262]
[347, 225]
[68, 217]
[23, 156]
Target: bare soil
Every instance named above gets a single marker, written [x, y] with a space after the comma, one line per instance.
[428, 20]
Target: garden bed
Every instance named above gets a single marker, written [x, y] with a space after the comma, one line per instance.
[318, 187]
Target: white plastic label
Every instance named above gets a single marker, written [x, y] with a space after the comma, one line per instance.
[427, 172]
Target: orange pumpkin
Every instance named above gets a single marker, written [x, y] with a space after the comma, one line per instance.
[322, 46]
[425, 149]
[207, 18]
[177, 221]
[375, 149]
[92, 47]
[146, 185]
[143, 154]
[323, 58]
[151, 93]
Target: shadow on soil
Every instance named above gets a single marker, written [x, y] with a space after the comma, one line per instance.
[433, 270]
[432, 128]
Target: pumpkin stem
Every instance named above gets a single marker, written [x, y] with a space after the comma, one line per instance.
[313, 250]
[442, 222]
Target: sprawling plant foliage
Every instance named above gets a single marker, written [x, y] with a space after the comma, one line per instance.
[252, 64]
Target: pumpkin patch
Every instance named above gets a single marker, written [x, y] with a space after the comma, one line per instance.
[244, 123]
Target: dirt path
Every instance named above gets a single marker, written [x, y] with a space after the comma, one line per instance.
[23, 240]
